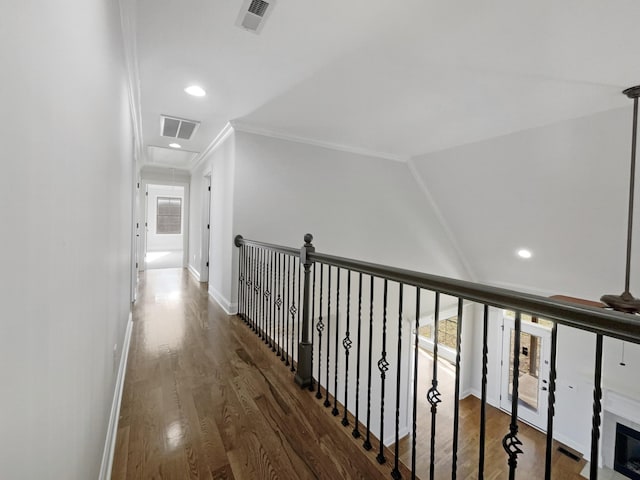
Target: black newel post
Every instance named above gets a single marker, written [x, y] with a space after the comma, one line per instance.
[304, 376]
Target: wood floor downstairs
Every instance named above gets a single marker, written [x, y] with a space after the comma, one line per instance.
[205, 398]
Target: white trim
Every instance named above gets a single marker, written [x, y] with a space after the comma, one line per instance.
[221, 137]
[128, 27]
[112, 429]
[194, 272]
[247, 128]
[443, 223]
[584, 450]
[228, 307]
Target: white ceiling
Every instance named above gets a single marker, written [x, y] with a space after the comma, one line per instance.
[397, 78]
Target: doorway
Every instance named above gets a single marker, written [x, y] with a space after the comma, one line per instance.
[164, 226]
[533, 376]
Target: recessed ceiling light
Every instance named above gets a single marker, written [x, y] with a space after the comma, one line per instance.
[175, 145]
[195, 90]
[524, 253]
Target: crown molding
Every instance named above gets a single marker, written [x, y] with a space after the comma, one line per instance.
[265, 132]
[221, 137]
[443, 223]
[128, 27]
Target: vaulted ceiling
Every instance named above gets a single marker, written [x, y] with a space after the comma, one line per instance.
[398, 79]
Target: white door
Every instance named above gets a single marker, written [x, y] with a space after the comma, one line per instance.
[533, 388]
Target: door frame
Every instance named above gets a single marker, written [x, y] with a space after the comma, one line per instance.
[185, 216]
[205, 255]
[537, 419]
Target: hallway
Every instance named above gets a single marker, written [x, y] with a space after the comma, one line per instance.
[204, 399]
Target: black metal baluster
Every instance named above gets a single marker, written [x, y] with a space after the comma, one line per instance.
[293, 310]
[288, 312]
[274, 290]
[483, 402]
[256, 292]
[254, 283]
[327, 403]
[335, 411]
[263, 298]
[240, 282]
[597, 409]
[552, 401]
[356, 427]
[265, 294]
[367, 441]
[346, 343]
[313, 319]
[414, 425]
[247, 284]
[272, 304]
[320, 328]
[268, 340]
[251, 293]
[300, 280]
[433, 395]
[383, 366]
[456, 399]
[510, 442]
[244, 282]
[276, 345]
[395, 473]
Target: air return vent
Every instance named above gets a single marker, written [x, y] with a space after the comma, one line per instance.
[254, 14]
[177, 127]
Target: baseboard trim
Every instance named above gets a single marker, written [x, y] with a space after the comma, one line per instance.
[585, 451]
[112, 429]
[194, 272]
[228, 307]
[402, 432]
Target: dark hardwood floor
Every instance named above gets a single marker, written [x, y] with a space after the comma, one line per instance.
[204, 398]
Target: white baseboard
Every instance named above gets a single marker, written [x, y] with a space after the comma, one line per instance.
[194, 272]
[112, 429]
[585, 451]
[402, 432]
[226, 305]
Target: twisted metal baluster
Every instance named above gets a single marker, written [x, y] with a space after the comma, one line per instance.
[433, 395]
[383, 366]
[367, 441]
[356, 431]
[278, 306]
[483, 402]
[293, 310]
[346, 344]
[320, 328]
[414, 424]
[456, 399]
[327, 403]
[597, 409]
[335, 411]
[313, 319]
[552, 400]
[510, 442]
[288, 312]
[395, 473]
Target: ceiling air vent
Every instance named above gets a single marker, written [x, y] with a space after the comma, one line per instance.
[177, 127]
[253, 14]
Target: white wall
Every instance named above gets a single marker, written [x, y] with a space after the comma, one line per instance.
[559, 190]
[163, 242]
[66, 217]
[220, 164]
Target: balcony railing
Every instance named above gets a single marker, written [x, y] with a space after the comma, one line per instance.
[317, 312]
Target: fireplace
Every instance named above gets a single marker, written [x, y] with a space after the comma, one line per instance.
[627, 452]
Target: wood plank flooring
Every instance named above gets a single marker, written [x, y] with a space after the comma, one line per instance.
[204, 398]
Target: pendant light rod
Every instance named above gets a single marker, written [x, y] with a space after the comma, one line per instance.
[633, 92]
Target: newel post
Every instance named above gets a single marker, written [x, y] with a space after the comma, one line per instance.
[303, 375]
